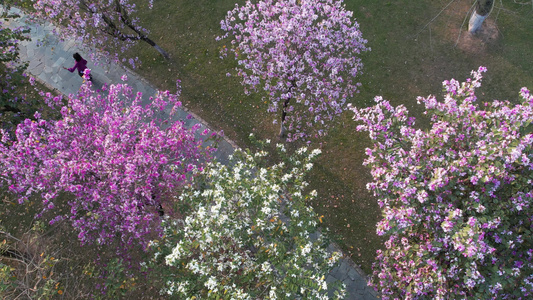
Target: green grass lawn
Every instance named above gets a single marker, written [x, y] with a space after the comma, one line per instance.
[409, 58]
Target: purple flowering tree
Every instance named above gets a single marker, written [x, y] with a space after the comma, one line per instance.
[107, 157]
[107, 25]
[456, 198]
[303, 53]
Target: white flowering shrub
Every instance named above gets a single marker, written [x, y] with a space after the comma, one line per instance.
[248, 234]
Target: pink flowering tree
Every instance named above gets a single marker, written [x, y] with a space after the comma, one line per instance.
[304, 54]
[456, 198]
[105, 156]
[108, 25]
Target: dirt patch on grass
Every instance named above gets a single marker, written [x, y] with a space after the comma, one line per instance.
[456, 30]
[480, 41]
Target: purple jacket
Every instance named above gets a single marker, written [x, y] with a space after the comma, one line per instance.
[80, 65]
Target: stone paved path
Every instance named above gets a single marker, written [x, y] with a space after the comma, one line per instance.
[45, 64]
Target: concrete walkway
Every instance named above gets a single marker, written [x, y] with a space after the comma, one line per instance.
[47, 56]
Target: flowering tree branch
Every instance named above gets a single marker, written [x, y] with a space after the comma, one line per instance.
[102, 24]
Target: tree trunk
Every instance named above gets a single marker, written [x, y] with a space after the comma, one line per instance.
[284, 110]
[153, 44]
[113, 30]
[483, 8]
[10, 108]
[283, 115]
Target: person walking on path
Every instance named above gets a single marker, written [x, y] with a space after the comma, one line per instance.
[81, 65]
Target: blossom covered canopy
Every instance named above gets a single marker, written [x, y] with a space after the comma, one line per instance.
[107, 156]
[456, 199]
[248, 234]
[306, 50]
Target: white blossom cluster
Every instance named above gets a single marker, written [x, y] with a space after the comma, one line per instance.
[248, 235]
